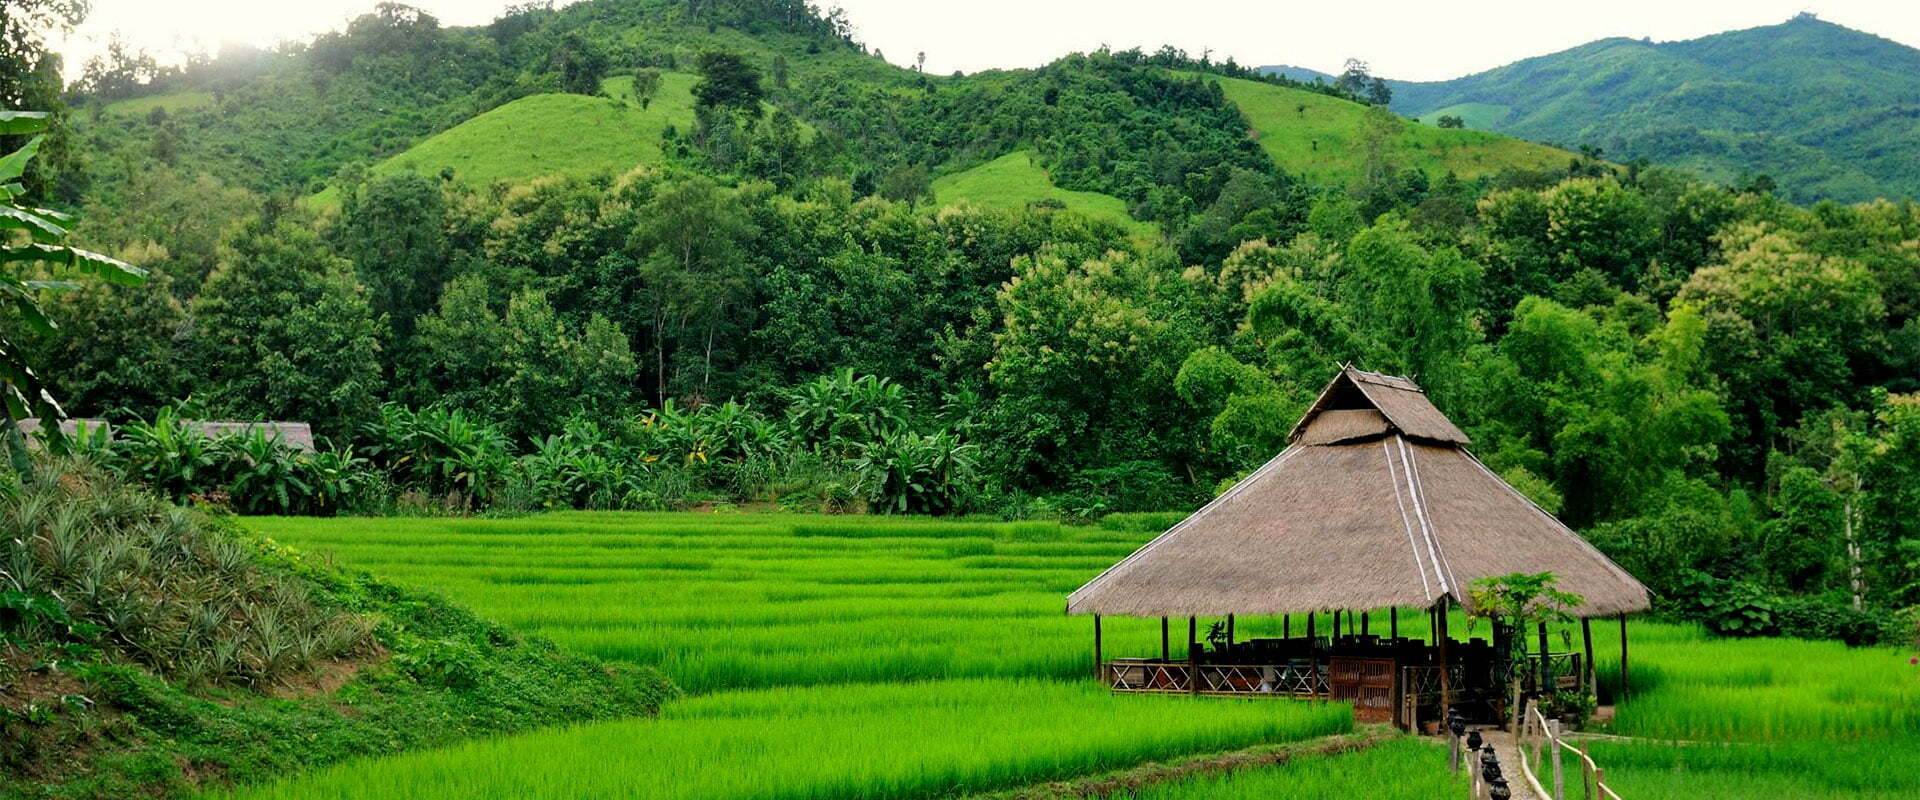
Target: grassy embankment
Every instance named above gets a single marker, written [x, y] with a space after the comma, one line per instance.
[147, 650]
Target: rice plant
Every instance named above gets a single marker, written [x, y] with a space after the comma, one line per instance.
[866, 741]
[855, 620]
[1402, 769]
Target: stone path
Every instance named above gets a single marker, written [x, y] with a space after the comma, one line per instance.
[1509, 753]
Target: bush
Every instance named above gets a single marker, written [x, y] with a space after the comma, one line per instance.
[1820, 618]
[175, 592]
[1741, 608]
[1728, 608]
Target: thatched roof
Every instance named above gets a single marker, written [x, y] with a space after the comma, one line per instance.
[1375, 504]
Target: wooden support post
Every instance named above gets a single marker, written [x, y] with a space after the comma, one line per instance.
[1393, 623]
[1366, 617]
[1440, 639]
[1623, 656]
[1310, 618]
[1229, 635]
[1546, 663]
[1193, 668]
[1586, 786]
[1193, 635]
[1166, 653]
[1286, 626]
[1586, 643]
[1098, 664]
[1559, 772]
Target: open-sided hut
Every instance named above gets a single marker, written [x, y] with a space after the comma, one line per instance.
[1375, 504]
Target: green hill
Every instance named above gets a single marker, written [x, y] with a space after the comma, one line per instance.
[1014, 182]
[1318, 137]
[1828, 111]
[555, 134]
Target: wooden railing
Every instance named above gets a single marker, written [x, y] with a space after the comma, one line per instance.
[1543, 736]
[1293, 679]
[1564, 671]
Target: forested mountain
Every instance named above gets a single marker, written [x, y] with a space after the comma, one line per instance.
[1823, 110]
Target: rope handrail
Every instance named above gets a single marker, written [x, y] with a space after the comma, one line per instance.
[1535, 722]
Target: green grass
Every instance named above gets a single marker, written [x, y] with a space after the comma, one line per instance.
[1319, 137]
[785, 618]
[173, 103]
[740, 601]
[1478, 116]
[1804, 770]
[555, 134]
[1403, 769]
[1014, 182]
[876, 742]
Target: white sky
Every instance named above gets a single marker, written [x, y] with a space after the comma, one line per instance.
[1407, 39]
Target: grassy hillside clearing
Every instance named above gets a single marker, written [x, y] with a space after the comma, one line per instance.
[1014, 182]
[1478, 116]
[555, 134]
[173, 103]
[1319, 137]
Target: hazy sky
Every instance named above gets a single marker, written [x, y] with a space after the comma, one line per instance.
[1409, 39]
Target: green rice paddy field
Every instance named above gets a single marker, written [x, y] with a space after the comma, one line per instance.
[830, 657]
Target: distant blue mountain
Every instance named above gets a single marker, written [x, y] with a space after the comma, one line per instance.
[1302, 74]
[1827, 111]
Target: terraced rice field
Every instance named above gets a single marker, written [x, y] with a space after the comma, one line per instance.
[867, 741]
[886, 657]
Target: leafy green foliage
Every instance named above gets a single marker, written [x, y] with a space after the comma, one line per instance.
[34, 237]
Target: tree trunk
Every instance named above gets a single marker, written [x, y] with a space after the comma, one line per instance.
[660, 357]
[1854, 578]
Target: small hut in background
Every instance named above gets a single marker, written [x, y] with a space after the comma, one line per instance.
[297, 435]
[1375, 504]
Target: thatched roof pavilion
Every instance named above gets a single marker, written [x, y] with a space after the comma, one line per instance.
[1376, 503]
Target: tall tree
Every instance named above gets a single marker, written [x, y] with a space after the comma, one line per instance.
[580, 64]
[691, 235]
[283, 331]
[727, 81]
[394, 231]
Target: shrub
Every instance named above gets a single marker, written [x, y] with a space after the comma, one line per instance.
[908, 473]
[442, 452]
[1820, 618]
[174, 591]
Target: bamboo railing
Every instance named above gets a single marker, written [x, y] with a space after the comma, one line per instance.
[1547, 744]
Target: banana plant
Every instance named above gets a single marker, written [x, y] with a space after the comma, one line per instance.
[35, 259]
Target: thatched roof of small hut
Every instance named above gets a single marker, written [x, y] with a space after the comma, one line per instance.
[297, 435]
[1375, 503]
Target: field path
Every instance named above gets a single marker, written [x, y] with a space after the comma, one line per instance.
[1509, 753]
